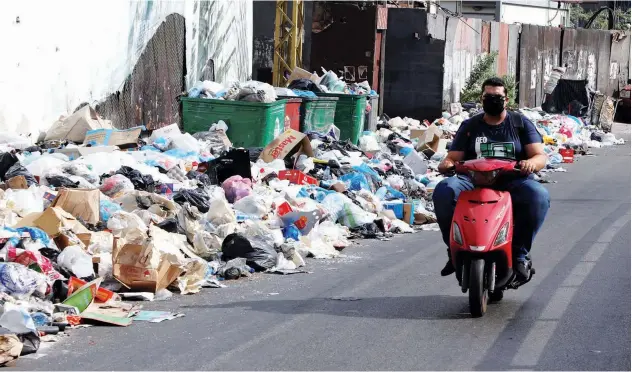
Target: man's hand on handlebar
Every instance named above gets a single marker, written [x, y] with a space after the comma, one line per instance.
[527, 167]
[447, 166]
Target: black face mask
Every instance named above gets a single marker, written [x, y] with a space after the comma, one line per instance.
[493, 105]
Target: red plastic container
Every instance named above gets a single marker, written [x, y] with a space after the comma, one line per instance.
[297, 177]
[568, 155]
[293, 114]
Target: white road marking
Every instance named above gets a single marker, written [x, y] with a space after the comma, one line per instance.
[538, 337]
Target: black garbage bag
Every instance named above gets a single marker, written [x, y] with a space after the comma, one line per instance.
[259, 258]
[305, 84]
[197, 198]
[140, 181]
[254, 153]
[33, 149]
[169, 225]
[7, 160]
[19, 170]
[30, 342]
[61, 181]
[202, 178]
[235, 162]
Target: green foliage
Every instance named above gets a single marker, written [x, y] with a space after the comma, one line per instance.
[482, 70]
[579, 17]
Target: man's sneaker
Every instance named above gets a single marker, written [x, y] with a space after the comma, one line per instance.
[523, 269]
[448, 269]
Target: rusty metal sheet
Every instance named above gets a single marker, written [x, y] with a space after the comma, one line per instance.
[619, 60]
[513, 49]
[463, 48]
[149, 95]
[586, 54]
[503, 49]
[486, 42]
[529, 41]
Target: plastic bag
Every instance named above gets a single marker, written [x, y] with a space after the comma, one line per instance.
[236, 188]
[128, 226]
[106, 209]
[21, 282]
[24, 202]
[77, 261]
[389, 193]
[16, 319]
[185, 142]
[76, 168]
[42, 165]
[140, 181]
[116, 184]
[396, 182]
[369, 142]
[251, 205]
[355, 181]
[237, 245]
[220, 212]
[58, 181]
[197, 198]
[18, 170]
[162, 143]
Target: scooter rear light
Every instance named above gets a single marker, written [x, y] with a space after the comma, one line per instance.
[483, 178]
[456, 234]
[502, 235]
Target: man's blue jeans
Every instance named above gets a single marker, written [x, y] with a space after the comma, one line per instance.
[530, 203]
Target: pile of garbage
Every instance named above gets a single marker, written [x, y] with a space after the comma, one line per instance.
[302, 84]
[93, 216]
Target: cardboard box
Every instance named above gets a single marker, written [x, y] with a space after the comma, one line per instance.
[113, 137]
[283, 145]
[299, 73]
[17, 183]
[81, 203]
[142, 268]
[409, 213]
[430, 139]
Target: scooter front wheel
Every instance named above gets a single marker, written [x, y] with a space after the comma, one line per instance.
[478, 288]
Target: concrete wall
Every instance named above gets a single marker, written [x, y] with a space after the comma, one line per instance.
[60, 54]
[543, 14]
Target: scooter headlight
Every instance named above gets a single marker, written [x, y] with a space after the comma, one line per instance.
[502, 234]
[483, 178]
[456, 234]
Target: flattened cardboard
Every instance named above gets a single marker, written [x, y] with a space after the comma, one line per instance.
[110, 314]
[283, 145]
[299, 73]
[81, 203]
[113, 137]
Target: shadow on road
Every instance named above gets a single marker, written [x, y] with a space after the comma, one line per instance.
[422, 307]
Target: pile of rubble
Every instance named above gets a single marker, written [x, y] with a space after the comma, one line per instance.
[93, 216]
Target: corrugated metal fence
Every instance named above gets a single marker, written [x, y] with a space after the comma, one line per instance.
[149, 95]
[530, 52]
[467, 40]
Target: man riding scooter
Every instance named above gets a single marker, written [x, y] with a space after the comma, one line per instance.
[498, 133]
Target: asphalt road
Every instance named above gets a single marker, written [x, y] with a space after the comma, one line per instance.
[385, 307]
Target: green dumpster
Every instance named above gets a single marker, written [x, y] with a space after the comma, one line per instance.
[350, 110]
[250, 124]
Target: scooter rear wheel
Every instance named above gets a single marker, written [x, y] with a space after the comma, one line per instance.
[478, 288]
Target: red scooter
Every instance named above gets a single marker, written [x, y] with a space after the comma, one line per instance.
[481, 235]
